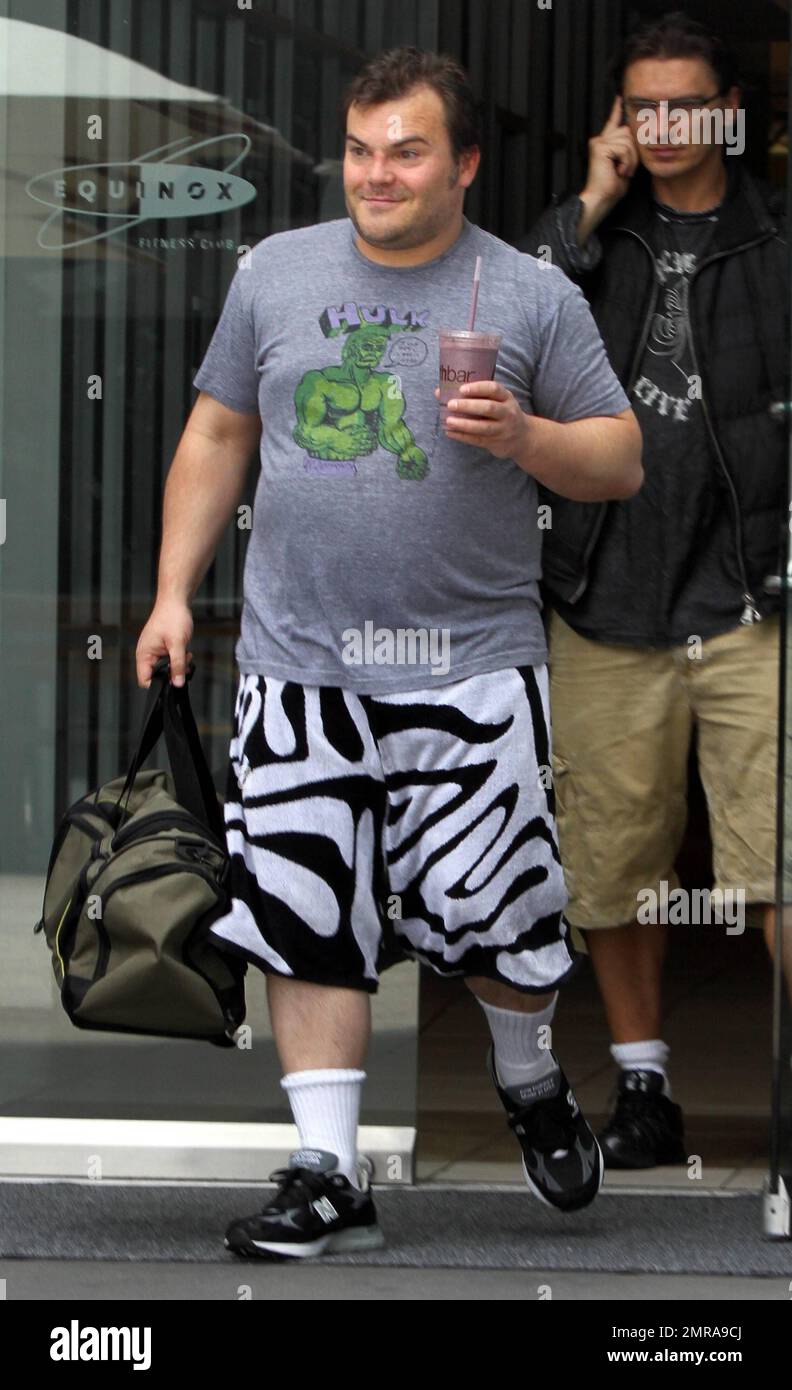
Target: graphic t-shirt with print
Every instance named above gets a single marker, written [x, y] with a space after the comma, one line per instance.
[383, 556]
[665, 567]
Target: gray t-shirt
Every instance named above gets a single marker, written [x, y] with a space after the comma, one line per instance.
[384, 557]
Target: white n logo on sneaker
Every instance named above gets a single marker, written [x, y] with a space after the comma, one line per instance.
[324, 1208]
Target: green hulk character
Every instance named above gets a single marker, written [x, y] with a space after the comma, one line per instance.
[347, 411]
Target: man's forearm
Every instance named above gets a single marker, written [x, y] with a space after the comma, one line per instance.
[593, 460]
[204, 485]
[593, 212]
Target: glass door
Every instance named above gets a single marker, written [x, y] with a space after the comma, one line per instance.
[110, 287]
[778, 1197]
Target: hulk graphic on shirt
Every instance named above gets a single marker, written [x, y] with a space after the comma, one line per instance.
[346, 411]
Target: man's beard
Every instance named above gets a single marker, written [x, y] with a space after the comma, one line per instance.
[414, 235]
[401, 239]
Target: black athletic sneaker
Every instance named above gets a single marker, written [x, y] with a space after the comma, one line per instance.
[645, 1129]
[314, 1212]
[561, 1159]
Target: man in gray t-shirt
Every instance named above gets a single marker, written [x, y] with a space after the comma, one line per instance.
[366, 512]
[387, 794]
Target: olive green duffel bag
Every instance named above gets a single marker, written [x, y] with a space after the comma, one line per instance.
[135, 879]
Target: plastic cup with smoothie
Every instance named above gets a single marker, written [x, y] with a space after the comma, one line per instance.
[466, 355]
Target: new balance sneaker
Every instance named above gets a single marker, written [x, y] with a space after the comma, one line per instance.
[645, 1129]
[562, 1162]
[315, 1211]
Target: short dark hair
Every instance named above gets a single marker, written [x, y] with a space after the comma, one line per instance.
[394, 73]
[677, 35]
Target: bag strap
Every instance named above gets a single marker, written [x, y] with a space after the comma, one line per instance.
[150, 727]
[168, 710]
[194, 786]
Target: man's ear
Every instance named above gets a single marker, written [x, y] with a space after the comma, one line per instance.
[468, 165]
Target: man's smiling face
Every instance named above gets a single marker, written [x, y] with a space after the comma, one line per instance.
[401, 182]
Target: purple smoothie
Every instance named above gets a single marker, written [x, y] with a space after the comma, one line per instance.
[464, 356]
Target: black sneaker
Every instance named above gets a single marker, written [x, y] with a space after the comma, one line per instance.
[561, 1159]
[645, 1129]
[315, 1212]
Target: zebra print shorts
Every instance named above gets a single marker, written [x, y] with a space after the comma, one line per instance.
[366, 829]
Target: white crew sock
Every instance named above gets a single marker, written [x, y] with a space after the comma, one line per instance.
[325, 1103]
[644, 1056]
[515, 1035]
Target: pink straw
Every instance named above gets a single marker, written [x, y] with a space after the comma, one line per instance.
[474, 300]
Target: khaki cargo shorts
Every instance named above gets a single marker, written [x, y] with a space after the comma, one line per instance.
[622, 721]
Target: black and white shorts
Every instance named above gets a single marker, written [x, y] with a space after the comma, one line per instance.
[363, 829]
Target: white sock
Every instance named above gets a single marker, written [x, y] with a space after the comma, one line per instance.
[325, 1103]
[644, 1056]
[519, 1057]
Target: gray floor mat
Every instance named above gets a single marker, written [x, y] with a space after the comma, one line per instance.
[424, 1227]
